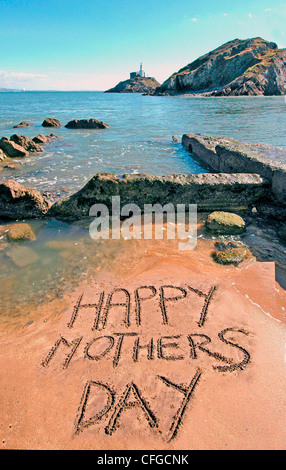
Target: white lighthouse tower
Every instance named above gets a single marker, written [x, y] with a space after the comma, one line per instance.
[141, 71]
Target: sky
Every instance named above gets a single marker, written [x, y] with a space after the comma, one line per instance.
[94, 44]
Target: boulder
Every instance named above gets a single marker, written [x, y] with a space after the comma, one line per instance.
[43, 139]
[23, 124]
[11, 149]
[226, 155]
[40, 139]
[18, 202]
[51, 122]
[26, 143]
[230, 253]
[86, 124]
[21, 232]
[225, 223]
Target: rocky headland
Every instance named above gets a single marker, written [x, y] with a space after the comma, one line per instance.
[144, 85]
[237, 68]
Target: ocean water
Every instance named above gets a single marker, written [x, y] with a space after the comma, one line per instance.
[139, 139]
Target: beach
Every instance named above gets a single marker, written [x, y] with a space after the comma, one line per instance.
[196, 363]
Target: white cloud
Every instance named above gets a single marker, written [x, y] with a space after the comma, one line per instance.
[19, 79]
[195, 19]
[21, 75]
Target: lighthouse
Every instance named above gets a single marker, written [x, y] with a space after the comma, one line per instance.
[141, 73]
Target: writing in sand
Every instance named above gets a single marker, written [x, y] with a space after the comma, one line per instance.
[150, 327]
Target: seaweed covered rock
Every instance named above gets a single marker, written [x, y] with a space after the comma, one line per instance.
[21, 232]
[225, 223]
[209, 191]
[230, 253]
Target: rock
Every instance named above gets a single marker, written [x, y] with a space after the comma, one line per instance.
[12, 166]
[18, 202]
[146, 85]
[43, 139]
[2, 155]
[273, 211]
[26, 143]
[40, 139]
[51, 122]
[22, 256]
[86, 124]
[20, 232]
[225, 223]
[11, 149]
[230, 156]
[230, 253]
[23, 124]
[175, 138]
[208, 191]
[239, 67]
[282, 232]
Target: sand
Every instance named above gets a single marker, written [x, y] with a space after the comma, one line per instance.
[199, 364]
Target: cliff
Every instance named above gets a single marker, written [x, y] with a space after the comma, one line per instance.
[239, 67]
[136, 85]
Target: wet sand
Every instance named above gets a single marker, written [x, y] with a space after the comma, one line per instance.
[192, 358]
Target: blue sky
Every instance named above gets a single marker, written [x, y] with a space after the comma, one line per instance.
[93, 44]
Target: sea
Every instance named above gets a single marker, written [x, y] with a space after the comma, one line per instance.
[139, 140]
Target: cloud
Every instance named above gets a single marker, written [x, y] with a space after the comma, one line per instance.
[195, 19]
[19, 79]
